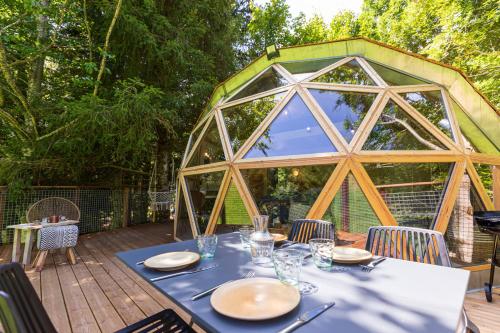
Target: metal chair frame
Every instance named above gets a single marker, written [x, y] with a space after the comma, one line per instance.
[303, 230]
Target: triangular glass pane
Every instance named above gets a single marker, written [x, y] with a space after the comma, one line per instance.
[183, 229]
[349, 73]
[294, 131]
[194, 136]
[209, 150]
[351, 213]
[288, 193]
[396, 130]
[412, 191]
[395, 78]
[485, 172]
[430, 104]
[241, 120]
[203, 190]
[346, 110]
[467, 245]
[233, 212]
[301, 70]
[270, 79]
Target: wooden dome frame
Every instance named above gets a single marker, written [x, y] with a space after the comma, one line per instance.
[349, 157]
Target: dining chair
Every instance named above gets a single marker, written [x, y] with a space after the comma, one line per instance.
[21, 311]
[417, 245]
[303, 230]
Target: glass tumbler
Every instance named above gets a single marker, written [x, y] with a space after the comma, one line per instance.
[207, 244]
[287, 264]
[322, 252]
[245, 233]
[261, 242]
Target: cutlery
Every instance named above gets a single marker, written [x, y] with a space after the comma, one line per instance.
[250, 274]
[287, 245]
[371, 266]
[307, 317]
[182, 273]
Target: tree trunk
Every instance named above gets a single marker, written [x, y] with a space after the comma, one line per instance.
[35, 82]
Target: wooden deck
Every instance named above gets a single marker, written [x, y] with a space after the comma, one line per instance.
[100, 294]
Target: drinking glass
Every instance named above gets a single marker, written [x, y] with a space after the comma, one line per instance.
[261, 242]
[207, 244]
[245, 233]
[322, 252]
[287, 264]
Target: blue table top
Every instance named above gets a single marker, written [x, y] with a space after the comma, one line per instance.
[398, 296]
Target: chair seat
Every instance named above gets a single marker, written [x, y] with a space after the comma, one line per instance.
[51, 238]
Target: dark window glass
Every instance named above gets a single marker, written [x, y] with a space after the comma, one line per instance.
[467, 245]
[233, 212]
[412, 191]
[396, 130]
[395, 78]
[286, 194]
[294, 131]
[351, 213]
[346, 110]
[183, 230]
[203, 190]
[209, 150]
[241, 120]
[301, 70]
[349, 73]
[270, 79]
[431, 105]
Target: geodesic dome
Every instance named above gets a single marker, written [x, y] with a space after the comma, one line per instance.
[353, 132]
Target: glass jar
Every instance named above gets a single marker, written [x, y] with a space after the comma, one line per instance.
[261, 241]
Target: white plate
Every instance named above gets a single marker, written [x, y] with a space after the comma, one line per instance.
[255, 299]
[350, 255]
[278, 238]
[172, 261]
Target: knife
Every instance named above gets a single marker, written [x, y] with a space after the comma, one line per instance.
[182, 273]
[307, 317]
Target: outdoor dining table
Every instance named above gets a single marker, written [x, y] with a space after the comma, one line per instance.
[397, 296]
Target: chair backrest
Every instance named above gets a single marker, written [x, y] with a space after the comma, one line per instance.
[9, 316]
[413, 244]
[53, 206]
[303, 230]
[27, 306]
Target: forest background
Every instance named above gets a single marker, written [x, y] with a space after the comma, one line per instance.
[95, 91]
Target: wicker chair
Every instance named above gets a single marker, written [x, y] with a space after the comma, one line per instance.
[58, 237]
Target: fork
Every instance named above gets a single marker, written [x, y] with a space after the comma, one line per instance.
[248, 275]
[368, 268]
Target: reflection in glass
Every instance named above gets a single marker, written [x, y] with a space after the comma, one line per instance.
[396, 130]
[431, 105]
[209, 150]
[351, 213]
[349, 73]
[286, 194]
[203, 189]
[467, 245]
[241, 120]
[301, 70]
[183, 230]
[294, 131]
[346, 110]
[485, 172]
[395, 78]
[270, 79]
[233, 212]
[412, 191]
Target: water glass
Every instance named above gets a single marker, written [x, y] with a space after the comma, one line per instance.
[245, 233]
[287, 264]
[207, 244]
[322, 252]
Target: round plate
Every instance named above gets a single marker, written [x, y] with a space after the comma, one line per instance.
[255, 299]
[172, 261]
[278, 238]
[350, 255]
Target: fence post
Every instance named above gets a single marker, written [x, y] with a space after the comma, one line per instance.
[125, 209]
